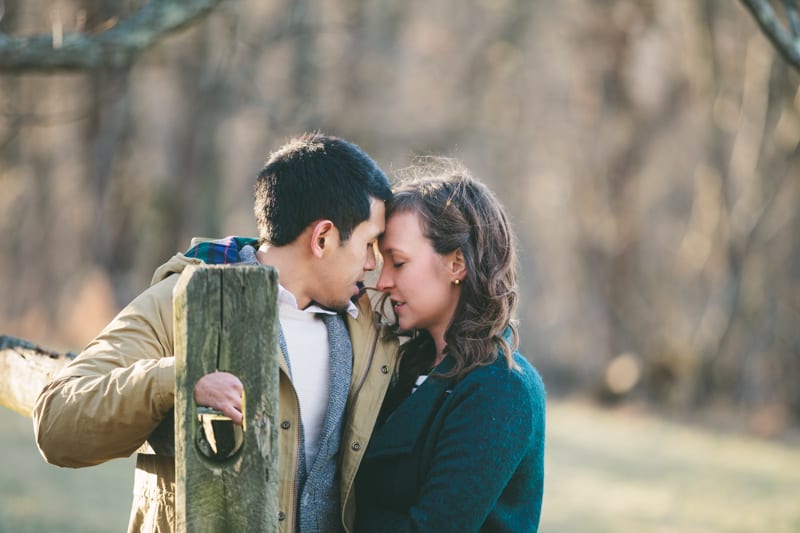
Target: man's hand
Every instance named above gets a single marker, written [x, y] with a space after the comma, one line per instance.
[221, 391]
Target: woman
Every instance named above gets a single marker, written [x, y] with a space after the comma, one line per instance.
[459, 443]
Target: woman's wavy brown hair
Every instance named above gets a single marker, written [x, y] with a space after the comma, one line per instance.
[456, 211]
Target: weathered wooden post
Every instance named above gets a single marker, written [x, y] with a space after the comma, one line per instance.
[25, 368]
[226, 319]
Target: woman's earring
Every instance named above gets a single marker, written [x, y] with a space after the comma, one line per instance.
[456, 282]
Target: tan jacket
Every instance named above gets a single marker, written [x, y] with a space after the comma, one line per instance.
[111, 399]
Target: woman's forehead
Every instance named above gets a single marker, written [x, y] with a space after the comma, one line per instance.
[403, 231]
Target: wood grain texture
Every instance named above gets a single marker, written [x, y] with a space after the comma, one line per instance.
[226, 319]
[24, 369]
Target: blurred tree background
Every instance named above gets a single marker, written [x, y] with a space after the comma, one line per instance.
[647, 153]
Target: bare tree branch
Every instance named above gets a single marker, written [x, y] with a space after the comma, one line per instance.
[787, 44]
[115, 47]
[24, 369]
[794, 19]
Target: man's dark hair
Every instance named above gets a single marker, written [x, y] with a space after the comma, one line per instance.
[316, 177]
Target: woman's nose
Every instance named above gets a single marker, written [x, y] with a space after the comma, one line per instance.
[384, 280]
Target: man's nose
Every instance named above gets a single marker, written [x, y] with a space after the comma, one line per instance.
[371, 262]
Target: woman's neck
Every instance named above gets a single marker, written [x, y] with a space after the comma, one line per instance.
[440, 344]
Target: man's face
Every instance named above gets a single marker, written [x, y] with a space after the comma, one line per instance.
[346, 263]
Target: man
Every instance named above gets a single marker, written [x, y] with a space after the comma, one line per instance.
[319, 206]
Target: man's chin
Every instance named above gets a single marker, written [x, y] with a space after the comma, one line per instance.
[338, 307]
[358, 290]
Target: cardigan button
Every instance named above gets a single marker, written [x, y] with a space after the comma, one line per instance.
[286, 424]
[281, 516]
[384, 369]
[356, 446]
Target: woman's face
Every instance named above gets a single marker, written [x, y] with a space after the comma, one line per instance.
[417, 279]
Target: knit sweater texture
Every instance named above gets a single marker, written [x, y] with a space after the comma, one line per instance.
[459, 457]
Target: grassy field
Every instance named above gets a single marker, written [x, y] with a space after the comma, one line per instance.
[37, 497]
[621, 471]
[607, 471]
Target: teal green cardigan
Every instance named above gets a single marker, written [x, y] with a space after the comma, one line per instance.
[461, 457]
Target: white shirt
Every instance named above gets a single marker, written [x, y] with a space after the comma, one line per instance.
[309, 357]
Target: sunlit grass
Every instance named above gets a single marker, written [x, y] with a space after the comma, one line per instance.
[619, 471]
[37, 497]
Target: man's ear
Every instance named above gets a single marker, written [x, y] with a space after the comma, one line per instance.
[323, 235]
[458, 266]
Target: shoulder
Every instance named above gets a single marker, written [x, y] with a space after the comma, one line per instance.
[522, 375]
[175, 265]
[507, 402]
[520, 387]
[153, 305]
[159, 292]
[528, 376]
